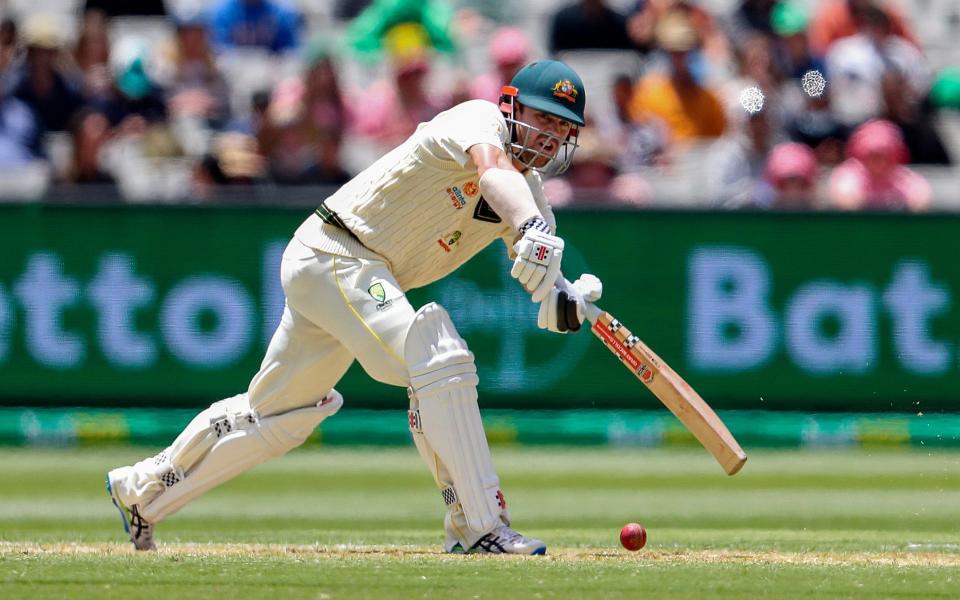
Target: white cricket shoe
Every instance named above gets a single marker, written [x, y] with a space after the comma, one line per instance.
[502, 540]
[139, 529]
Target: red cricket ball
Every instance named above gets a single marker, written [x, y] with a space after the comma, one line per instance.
[633, 536]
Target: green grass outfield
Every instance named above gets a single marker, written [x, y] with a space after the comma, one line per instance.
[344, 523]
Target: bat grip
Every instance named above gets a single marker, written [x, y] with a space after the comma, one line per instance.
[591, 311]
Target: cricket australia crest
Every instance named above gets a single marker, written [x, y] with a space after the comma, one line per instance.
[566, 90]
[378, 292]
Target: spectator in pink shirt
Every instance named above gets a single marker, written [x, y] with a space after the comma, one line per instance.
[510, 50]
[390, 110]
[874, 176]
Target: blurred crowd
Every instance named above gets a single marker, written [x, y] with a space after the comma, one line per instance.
[773, 104]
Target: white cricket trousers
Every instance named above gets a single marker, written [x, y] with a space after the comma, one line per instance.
[337, 309]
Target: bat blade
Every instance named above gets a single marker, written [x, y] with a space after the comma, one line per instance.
[675, 393]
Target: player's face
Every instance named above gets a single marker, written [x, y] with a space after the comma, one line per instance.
[545, 135]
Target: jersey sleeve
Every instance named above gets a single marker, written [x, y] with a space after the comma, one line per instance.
[451, 134]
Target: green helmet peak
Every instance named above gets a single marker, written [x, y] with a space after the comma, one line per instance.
[552, 87]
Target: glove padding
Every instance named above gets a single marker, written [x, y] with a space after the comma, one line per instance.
[563, 308]
[538, 262]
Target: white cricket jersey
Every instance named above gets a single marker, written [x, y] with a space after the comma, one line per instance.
[419, 206]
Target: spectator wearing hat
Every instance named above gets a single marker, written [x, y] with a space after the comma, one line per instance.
[305, 124]
[325, 108]
[690, 110]
[791, 174]
[790, 21]
[644, 19]
[856, 64]
[39, 82]
[136, 100]
[837, 19]
[588, 24]
[265, 24]
[510, 50]
[395, 26]
[874, 176]
[808, 119]
[196, 88]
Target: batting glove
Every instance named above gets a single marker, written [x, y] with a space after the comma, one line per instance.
[563, 308]
[538, 262]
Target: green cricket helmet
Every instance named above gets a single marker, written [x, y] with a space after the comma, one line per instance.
[552, 87]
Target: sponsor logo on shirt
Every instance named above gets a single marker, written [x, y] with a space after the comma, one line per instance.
[447, 241]
[456, 196]
[378, 292]
[471, 188]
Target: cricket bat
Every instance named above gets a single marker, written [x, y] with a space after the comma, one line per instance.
[675, 393]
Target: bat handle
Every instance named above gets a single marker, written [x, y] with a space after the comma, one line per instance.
[591, 311]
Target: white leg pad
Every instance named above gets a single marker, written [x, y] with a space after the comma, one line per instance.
[443, 380]
[220, 443]
[455, 521]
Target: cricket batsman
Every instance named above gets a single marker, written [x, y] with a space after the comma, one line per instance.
[468, 177]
